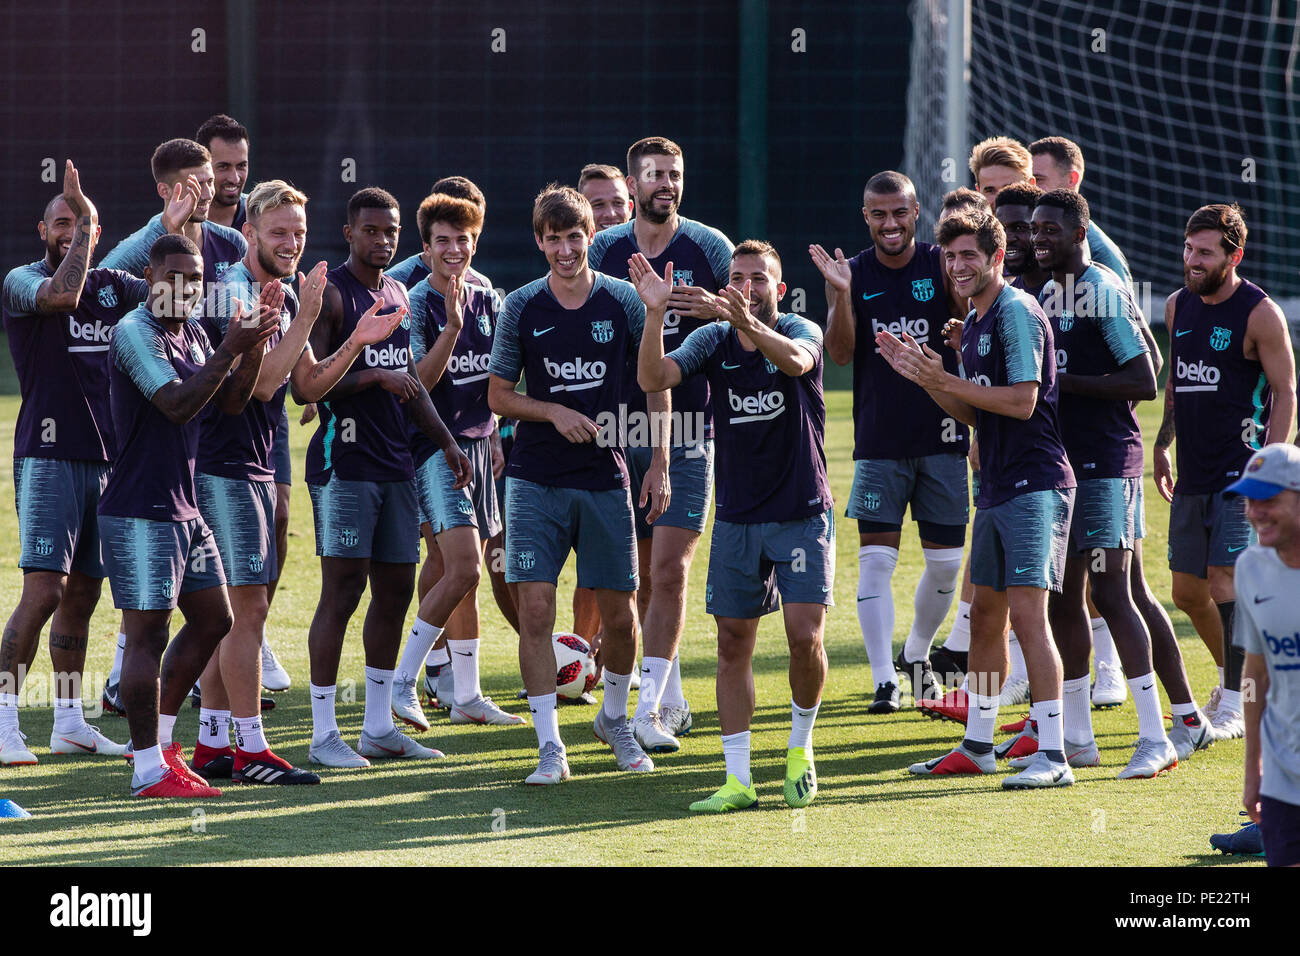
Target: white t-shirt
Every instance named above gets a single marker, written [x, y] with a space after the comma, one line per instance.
[1267, 623]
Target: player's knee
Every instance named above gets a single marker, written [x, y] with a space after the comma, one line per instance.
[1110, 594]
[463, 576]
[42, 593]
[621, 622]
[669, 575]
[805, 645]
[1189, 598]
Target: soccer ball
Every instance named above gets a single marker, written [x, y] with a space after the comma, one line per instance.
[575, 668]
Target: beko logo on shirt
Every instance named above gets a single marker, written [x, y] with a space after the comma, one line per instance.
[95, 333]
[472, 364]
[983, 380]
[1062, 358]
[755, 408]
[918, 329]
[388, 356]
[1205, 377]
[1283, 647]
[576, 375]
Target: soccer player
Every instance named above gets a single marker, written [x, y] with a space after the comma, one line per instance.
[606, 189]
[159, 553]
[227, 141]
[235, 473]
[1026, 490]
[1267, 583]
[998, 162]
[1058, 164]
[58, 314]
[570, 335]
[962, 199]
[452, 325]
[361, 479]
[1015, 210]
[1231, 388]
[701, 255]
[1103, 370]
[909, 454]
[182, 170]
[777, 535]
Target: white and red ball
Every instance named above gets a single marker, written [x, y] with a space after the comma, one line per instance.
[575, 666]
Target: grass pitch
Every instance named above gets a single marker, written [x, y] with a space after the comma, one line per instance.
[472, 808]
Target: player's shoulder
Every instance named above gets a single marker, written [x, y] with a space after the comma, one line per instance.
[516, 300]
[135, 327]
[33, 270]
[622, 291]
[232, 237]
[605, 240]
[706, 237]
[1251, 564]
[793, 325]
[395, 288]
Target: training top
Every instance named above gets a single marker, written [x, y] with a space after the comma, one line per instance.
[1222, 399]
[222, 248]
[771, 427]
[1012, 342]
[892, 417]
[62, 362]
[579, 358]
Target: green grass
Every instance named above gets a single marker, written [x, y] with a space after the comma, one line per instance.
[868, 810]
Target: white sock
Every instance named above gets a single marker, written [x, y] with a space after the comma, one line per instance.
[876, 565]
[616, 688]
[654, 673]
[249, 735]
[149, 766]
[68, 715]
[8, 712]
[981, 715]
[672, 695]
[1151, 723]
[379, 702]
[545, 720]
[1183, 710]
[1230, 700]
[115, 672]
[1051, 729]
[1076, 706]
[735, 751]
[323, 721]
[1016, 656]
[1103, 645]
[214, 728]
[418, 645]
[464, 670]
[959, 637]
[437, 657]
[165, 724]
[801, 725]
[933, 598]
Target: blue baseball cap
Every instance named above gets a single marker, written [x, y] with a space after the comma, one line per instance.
[1272, 469]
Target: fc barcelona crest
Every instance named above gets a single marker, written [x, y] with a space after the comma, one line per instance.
[1066, 322]
[872, 501]
[485, 324]
[1220, 338]
[603, 332]
[985, 344]
[525, 560]
[767, 364]
[196, 353]
[922, 290]
[255, 563]
[44, 546]
[348, 537]
[107, 297]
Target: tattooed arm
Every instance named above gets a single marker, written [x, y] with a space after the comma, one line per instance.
[312, 380]
[62, 291]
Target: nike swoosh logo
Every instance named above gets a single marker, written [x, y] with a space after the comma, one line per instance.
[465, 653]
[825, 590]
[871, 598]
[537, 332]
[1089, 534]
[694, 514]
[1148, 686]
[1023, 570]
[982, 707]
[1261, 600]
[90, 750]
[1057, 714]
[865, 297]
[533, 709]
[1235, 550]
[1179, 335]
[320, 696]
[949, 591]
[396, 753]
[373, 681]
[725, 365]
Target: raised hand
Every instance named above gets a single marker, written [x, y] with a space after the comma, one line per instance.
[74, 197]
[373, 327]
[835, 271]
[455, 312]
[248, 330]
[653, 289]
[311, 290]
[733, 307]
[179, 206]
[271, 299]
[693, 301]
[952, 330]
